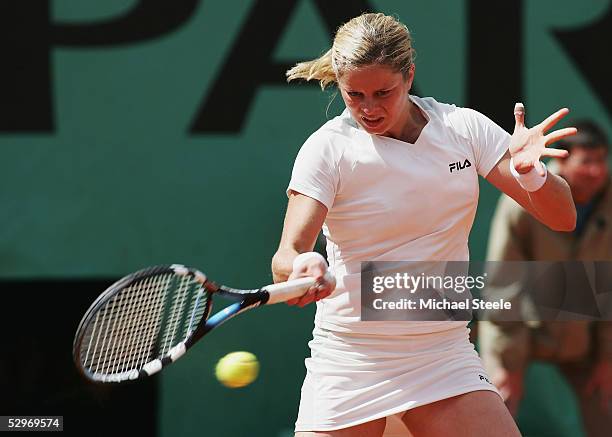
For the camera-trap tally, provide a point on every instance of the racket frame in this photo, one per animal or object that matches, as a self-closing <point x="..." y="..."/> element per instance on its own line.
<point x="243" y="301"/>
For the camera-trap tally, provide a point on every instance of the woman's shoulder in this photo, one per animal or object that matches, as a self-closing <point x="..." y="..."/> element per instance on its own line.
<point x="336" y="132"/>
<point x="341" y="125"/>
<point x="461" y="120"/>
<point x="441" y="110"/>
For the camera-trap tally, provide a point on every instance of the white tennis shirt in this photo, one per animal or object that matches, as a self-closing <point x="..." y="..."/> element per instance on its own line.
<point x="389" y="200"/>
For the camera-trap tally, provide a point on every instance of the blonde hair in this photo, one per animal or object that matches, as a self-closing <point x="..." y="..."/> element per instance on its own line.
<point x="371" y="38"/>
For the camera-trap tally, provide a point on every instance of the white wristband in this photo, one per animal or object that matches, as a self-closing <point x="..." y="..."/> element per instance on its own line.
<point x="530" y="181"/>
<point x="303" y="258"/>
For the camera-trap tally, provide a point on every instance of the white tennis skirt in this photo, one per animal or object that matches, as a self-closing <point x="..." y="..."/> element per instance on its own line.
<point x="355" y="378"/>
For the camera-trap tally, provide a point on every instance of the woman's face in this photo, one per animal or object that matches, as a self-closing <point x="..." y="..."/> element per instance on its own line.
<point x="586" y="172"/>
<point x="377" y="97"/>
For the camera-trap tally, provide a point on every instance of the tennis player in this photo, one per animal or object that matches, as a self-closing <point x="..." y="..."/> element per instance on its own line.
<point x="379" y="180"/>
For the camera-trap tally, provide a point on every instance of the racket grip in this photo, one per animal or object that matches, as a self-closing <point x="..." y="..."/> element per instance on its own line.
<point x="284" y="291"/>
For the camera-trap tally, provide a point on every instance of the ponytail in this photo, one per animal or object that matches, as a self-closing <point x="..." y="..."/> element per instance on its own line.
<point x="369" y="39"/>
<point x="318" y="69"/>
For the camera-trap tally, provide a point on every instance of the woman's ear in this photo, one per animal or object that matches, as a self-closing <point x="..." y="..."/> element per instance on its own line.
<point x="410" y="77"/>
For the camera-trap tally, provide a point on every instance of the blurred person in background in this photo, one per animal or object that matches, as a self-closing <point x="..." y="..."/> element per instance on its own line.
<point x="581" y="350"/>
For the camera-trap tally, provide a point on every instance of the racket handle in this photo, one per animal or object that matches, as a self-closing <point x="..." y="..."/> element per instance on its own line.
<point x="284" y="291"/>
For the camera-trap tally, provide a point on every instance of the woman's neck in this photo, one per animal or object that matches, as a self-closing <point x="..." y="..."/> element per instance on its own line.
<point x="413" y="123"/>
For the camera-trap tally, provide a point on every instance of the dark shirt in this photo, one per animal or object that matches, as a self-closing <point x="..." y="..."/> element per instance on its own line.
<point x="583" y="213"/>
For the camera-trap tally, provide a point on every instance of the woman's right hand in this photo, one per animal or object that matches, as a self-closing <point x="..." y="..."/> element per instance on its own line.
<point x="303" y="221"/>
<point x="316" y="267"/>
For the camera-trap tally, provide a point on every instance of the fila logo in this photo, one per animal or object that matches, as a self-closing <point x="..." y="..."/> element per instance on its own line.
<point x="484" y="378"/>
<point x="459" y="165"/>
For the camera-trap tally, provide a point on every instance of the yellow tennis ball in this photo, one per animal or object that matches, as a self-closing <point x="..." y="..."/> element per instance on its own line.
<point x="237" y="369"/>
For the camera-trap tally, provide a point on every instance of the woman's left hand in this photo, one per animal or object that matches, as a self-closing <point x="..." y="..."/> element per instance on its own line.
<point x="528" y="145"/>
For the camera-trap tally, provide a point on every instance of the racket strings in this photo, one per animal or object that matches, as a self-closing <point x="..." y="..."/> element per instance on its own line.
<point x="146" y="294"/>
<point x="118" y="319"/>
<point x="151" y="329"/>
<point x="184" y="294"/>
<point x="120" y="328"/>
<point x="144" y="303"/>
<point x="147" y="326"/>
<point x="131" y="311"/>
<point x="196" y="310"/>
<point x="118" y="324"/>
<point x="116" y="305"/>
<point x="142" y="322"/>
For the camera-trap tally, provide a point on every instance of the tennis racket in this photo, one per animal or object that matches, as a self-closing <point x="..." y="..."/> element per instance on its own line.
<point x="149" y="319"/>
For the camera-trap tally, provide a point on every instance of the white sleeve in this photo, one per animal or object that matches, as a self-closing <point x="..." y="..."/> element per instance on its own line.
<point x="315" y="171"/>
<point x="489" y="141"/>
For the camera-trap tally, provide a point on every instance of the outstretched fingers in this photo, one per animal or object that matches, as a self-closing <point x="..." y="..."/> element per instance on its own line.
<point x="555" y="153"/>
<point x="559" y="134"/>
<point x="519" y="116"/>
<point x="553" y="119"/>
